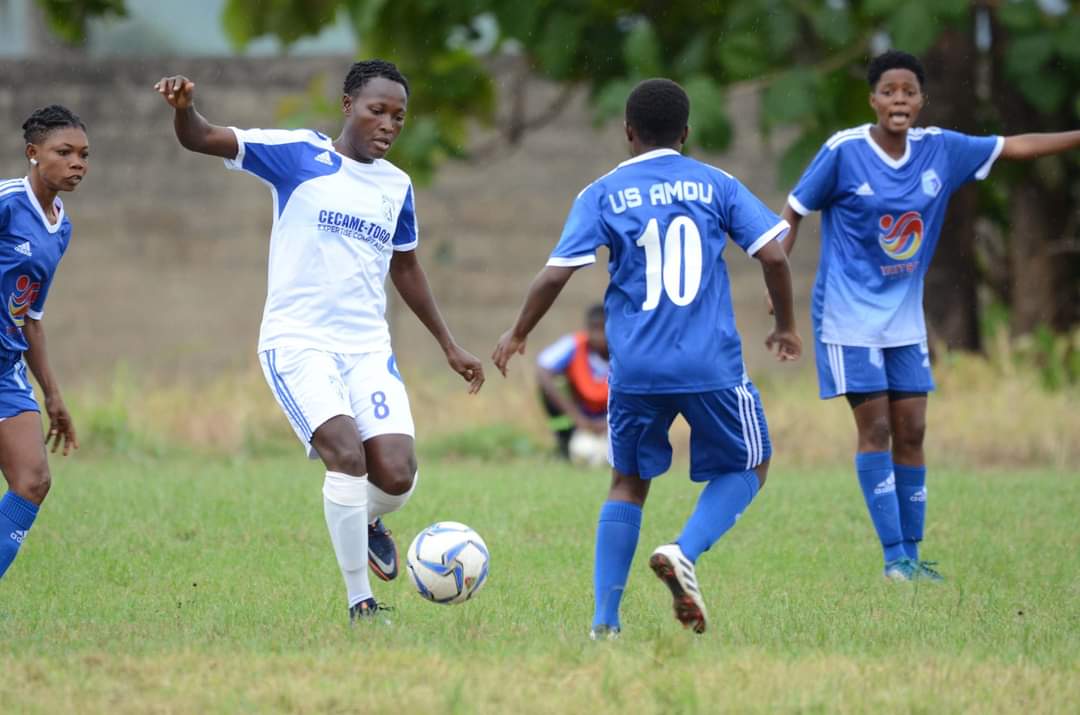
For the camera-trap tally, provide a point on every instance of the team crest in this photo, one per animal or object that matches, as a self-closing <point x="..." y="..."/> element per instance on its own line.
<point x="931" y="183"/>
<point x="388" y="208"/>
<point x="902" y="236"/>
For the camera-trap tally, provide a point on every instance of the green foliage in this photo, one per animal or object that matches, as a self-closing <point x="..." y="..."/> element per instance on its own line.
<point x="67" y="18"/>
<point x="491" y="442"/>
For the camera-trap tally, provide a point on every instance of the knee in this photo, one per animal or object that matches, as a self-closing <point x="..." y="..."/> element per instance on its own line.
<point x="33" y="484"/>
<point x="345" y="458"/>
<point x="628" y="489"/>
<point x="394" y="475"/>
<point x="908" y="436"/>
<point x="875" y="435"/>
<point x="762" y="471"/>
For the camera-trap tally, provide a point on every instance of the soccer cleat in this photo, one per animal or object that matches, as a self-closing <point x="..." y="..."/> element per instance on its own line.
<point x="604" y="632"/>
<point x="382" y="551"/>
<point x="903" y="569"/>
<point x="368" y="611"/>
<point x="927" y="572"/>
<point x="673" y="568"/>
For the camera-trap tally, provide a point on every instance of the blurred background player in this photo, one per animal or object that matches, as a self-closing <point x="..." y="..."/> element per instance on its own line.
<point x="577" y="408"/>
<point x="883" y="189"/>
<point x="675" y="350"/>
<point x="34" y="232"/>
<point x="344" y="218"/>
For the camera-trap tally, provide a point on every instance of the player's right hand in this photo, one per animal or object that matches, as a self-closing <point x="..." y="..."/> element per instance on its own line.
<point x="785" y="344"/>
<point x="178" y="91"/>
<point x="505" y="349"/>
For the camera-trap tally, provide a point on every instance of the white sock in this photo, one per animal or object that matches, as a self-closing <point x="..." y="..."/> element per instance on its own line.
<point x="345" y="502"/>
<point x="379" y="502"/>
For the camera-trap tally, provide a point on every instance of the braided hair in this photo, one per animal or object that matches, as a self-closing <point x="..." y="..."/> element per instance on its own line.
<point x="362" y="72"/>
<point x="48" y="119"/>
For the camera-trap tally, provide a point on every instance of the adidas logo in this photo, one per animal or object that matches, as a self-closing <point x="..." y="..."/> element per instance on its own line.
<point x="886" y="487"/>
<point x="24" y="248"/>
<point x="864" y="190"/>
<point x="324" y="158"/>
<point x="18" y="535"/>
<point x="919" y="495"/>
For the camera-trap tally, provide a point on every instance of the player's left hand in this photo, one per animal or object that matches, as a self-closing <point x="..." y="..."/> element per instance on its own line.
<point x="506" y="348"/>
<point x="61" y="427"/>
<point x="468" y="366"/>
<point x="785" y="344"/>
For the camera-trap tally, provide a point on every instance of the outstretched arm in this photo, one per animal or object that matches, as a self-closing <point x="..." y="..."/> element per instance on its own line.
<point x="784" y="339"/>
<point x="61" y="428"/>
<point x="1023" y="147"/>
<point x="192" y="129"/>
<point x="542" y="293"/>
<point x="412" y="284"/>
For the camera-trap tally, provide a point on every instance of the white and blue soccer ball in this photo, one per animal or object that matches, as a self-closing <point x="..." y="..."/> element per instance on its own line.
<point x="448" y="562"/>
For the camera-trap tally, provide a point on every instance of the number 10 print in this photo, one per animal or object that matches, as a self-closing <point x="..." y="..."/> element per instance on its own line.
<point x="682" y="245"/>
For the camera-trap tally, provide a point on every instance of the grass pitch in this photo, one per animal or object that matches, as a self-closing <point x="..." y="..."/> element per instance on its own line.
<point x="208" y="585"/>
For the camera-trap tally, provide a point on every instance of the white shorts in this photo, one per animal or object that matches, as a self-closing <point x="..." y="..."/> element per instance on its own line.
<point x="312" y="386"/>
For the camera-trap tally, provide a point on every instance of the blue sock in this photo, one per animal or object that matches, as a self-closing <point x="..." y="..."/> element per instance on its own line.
<point x="879" y="490"/>
<point x="616" y="540"/>
<point x="16" y="517"/>
<point x="911" y="493"/>
<point x="721" y="502"/>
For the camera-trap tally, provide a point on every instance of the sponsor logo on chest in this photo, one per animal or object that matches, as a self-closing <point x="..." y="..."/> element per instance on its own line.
<point x="354" y="227"/>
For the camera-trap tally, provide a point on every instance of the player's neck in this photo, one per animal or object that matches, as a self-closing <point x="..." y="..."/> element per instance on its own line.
<point x="345" y="149"/>
<point x="637" y="149"/>
<point x="45" y="196"/>
<point x="892" y="143"/>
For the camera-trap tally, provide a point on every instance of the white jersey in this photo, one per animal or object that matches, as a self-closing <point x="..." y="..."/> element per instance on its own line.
<point x="337" y="223"/>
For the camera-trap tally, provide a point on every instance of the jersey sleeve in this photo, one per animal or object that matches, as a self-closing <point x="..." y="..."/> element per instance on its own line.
<point x="817" y="184"/>
<point x="970" y="157"/>
<point x="748" y="221"/>
<point x="36" y="310"/>
<point x="582" y="233"/>
<point x="557" y="356"/>
<point x="273" y="155"/>
<point x="407" y="233"/>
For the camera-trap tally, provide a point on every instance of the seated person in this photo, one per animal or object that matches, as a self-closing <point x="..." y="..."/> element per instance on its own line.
<point x="582" y="359"/>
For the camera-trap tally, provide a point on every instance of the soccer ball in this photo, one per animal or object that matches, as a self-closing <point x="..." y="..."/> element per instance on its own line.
<point x="588" y="449"/>
<point x="448" y="562"/>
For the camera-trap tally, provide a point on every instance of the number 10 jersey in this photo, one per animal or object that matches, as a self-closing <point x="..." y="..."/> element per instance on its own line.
<point x="665" y="219"/>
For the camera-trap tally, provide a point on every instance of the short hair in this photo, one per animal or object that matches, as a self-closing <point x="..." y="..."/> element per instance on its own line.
<point x="658" y="111"/>
<point x="47" y="120"/>
<point x="595" y="313"/>
<point x="362" y="72"/>
<point x="894" y="60"/>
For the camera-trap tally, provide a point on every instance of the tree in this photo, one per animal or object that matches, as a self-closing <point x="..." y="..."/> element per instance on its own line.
<point x="805" y="58"/>
<point x="67" y="19"/>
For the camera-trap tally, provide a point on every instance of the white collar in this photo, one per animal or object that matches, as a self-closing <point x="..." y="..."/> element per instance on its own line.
<point x="889" y="161"/>
<point x="654" y="154"/>
<point x="59" y="205"/>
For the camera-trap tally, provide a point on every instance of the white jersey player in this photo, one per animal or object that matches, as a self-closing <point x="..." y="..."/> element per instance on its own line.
<point x="344" y="219"/>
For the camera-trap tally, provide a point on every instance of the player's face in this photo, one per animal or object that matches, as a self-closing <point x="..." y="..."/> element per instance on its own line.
<point x="62" y="158"/>
<point x="374" y="117"/>
<point x="897" y="100"/>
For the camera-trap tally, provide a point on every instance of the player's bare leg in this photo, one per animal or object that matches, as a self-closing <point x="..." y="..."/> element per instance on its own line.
<point x="26" y="469"/>
<point x="392" y="477"/>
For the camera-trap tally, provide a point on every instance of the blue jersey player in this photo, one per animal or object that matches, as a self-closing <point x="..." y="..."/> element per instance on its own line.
<point x="34" y="233"/>
<point x="665" y="220"/>
<point x="883" y="189"/>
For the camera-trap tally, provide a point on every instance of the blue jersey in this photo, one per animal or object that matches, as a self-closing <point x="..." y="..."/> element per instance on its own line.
<point x="30" y="250"/>
<point x="881" y="220"/>
<point x="664" y="219"/>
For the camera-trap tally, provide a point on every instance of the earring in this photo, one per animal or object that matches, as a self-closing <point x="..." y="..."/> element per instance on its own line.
<point x="33" y="161"/>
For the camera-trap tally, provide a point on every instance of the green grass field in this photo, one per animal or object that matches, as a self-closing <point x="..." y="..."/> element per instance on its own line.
<point x="196" y="584"/>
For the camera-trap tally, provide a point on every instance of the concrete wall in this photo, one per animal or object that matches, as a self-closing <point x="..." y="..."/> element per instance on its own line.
<point x="166" y="271"/>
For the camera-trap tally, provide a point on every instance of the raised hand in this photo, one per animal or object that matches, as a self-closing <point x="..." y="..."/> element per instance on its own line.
<point x="178" y="91"/>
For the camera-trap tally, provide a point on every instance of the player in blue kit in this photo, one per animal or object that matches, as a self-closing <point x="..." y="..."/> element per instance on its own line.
<point x="883" y="189"/>
<point x="34" y="233"/>
<point x="664" y="219"/>
<point x="344" y="219"/>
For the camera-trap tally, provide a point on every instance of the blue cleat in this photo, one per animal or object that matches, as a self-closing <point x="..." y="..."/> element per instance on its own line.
<point x="927" y="572"/>
<point x="904" y="569"/>
<point x="382" y="551"/>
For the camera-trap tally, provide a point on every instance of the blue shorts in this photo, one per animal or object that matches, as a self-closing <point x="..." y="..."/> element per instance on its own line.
<point x="16" y="392"/>
<point x="728" y="432"/>
<point x="844" y="369"/>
